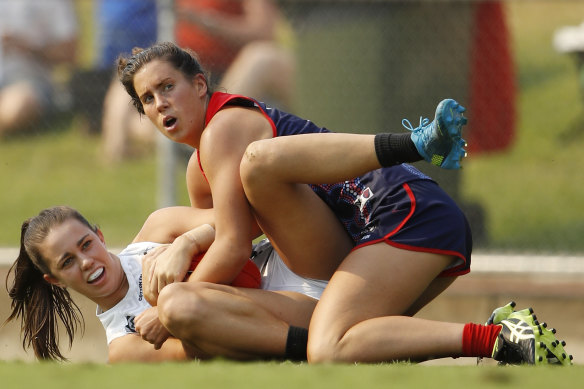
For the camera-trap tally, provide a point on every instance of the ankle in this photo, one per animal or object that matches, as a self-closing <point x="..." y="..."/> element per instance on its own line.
<point x="394" y="149"/>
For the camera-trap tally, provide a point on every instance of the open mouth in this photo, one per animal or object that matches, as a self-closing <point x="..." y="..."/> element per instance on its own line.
<point x="169" y="122"/>
<point x="96" y="275"/>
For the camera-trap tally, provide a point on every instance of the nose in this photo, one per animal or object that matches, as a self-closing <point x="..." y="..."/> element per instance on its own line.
<point x="86" y="262"/>
<point x="161" y="102"/>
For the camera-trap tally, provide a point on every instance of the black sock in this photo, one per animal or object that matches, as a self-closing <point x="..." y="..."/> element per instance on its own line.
<point x="296" y="343"/>
<point x="393" y="149"/>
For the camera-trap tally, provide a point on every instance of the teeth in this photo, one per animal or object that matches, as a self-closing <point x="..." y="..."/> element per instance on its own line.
<point x="95" y="274"/>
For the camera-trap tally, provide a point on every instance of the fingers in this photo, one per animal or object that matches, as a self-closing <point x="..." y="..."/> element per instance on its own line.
<point x="150" y="329"/>
<point x="165" y="279"/>
<point x="149" y="261"/>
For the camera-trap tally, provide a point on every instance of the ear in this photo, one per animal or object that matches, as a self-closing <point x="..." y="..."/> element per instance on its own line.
<point x="100" y="235"/>
<point x="200" y="83"/>
<point x="53" y="281"/>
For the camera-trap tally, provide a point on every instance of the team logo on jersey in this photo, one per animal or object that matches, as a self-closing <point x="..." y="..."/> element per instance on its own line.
<point x="363" y="197"/>
<point x="130" y="326"/>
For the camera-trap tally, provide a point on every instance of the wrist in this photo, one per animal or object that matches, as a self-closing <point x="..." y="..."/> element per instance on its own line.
<point x="201" y="237"/>
<point x="189" y="244"/>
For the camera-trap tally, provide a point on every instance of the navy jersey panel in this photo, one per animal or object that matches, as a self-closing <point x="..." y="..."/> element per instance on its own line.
<point x="288" y="124"/>
<point x="399" y="205"/>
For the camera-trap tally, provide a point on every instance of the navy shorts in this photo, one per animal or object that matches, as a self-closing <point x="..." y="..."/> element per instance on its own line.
<point x="415" y="215"/>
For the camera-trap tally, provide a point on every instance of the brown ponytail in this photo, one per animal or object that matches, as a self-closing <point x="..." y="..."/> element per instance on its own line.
<point x="39" y="304"/>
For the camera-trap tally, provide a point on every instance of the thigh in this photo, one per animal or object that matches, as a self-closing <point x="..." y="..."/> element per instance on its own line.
<point x="302" y="228"/>
<point x="375" y="281"/>
<point x="291" y="307"/>
<point x="222" y="300"/>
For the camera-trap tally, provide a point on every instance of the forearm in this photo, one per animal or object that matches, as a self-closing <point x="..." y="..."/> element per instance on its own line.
<point x="132" y="348"/>
<point x="61" y="53"/>
<point x="166" y="224"/>
<point x="200" y="238"/>
<point x="255" y="24"/>
<point x="161" y="268"/>
<point x="222" y="262"/>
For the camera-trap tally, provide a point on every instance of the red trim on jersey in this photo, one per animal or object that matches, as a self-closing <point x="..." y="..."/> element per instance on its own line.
<point x="201" y="166"/>
<point x="217" y="101"/>
<point x="455" y="271"/>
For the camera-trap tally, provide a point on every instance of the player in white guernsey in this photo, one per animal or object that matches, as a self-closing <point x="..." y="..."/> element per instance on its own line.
<point x="276" y="276"/>
<point x="60" y="249"/>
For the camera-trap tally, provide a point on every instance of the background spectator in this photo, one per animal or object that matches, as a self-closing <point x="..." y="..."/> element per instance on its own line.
<point x="36" y="36"/>
<point x="121" y="26"/>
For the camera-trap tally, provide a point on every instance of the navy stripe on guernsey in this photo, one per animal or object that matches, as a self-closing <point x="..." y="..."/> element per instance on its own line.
<point x="399" y="205"/>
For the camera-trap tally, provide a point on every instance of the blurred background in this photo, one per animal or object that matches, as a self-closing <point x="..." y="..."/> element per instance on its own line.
<point x="348" y="65"/>
<point x="352" y="66"/>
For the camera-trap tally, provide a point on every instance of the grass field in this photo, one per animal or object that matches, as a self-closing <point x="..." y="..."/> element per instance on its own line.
<point x="223" y="374"/>
<point x="64" y="167"/>
<point x="533" y="196"/>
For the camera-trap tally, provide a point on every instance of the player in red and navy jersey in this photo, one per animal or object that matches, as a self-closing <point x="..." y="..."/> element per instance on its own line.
<point x="338" y="206"/>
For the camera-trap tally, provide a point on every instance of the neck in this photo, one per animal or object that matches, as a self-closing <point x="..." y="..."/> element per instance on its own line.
<point x="118" y="293"/>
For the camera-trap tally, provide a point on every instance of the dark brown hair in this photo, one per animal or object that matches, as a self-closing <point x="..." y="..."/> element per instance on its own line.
<point x="39" y="304"/>
<point x="184" y="60"/>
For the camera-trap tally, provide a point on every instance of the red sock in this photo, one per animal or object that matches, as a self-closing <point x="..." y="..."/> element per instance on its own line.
<point x="479" y="340"/>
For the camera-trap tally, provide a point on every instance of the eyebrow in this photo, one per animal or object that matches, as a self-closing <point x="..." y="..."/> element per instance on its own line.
<point x="156" y="86"/>
<point x="79" y="242"/>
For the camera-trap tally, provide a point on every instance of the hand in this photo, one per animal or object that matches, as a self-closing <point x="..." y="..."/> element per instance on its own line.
<point x="150" y="328"/>
<point x="172" y="264"/>
<point x="150" y="288"/>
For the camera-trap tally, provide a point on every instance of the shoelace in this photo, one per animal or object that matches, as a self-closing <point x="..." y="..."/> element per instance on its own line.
<point x="423" y="122"/>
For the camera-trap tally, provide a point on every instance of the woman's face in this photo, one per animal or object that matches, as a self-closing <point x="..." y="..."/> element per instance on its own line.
<point x="175" y="104"/>
<point x="78" y="258"/>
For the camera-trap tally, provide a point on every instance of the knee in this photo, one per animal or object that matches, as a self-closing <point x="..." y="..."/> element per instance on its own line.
<point x="319" y="351"/>
<point x="183" y="305"/>
<point x="332" y="348"/>
<point x="257" y="165"/>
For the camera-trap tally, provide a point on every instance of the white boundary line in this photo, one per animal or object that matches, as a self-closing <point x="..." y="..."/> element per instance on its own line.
<point x="481" y="262"/>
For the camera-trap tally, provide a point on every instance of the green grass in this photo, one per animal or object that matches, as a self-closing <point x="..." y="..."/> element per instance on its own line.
<point x="64" y="167"/>
<point x="222" y="374"/>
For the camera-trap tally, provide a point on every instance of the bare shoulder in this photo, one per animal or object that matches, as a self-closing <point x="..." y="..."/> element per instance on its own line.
<point x="239" y="123"/>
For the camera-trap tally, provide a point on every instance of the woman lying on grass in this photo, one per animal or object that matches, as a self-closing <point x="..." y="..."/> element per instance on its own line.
<point x="60" y="249"/>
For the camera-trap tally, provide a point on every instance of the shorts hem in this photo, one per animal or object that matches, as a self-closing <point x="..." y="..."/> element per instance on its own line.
<point x="456" y="271"/>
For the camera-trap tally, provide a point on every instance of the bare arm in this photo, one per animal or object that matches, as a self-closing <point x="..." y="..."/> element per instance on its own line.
<point x="226" y="139"/>
<point x="53" y="53"/>
<point x="166" y="224"/>
<point x="171" y="264"/>
<point x="197" y="185"/>
<point x="132" y="348"/>
<point x="257" y="22"/>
